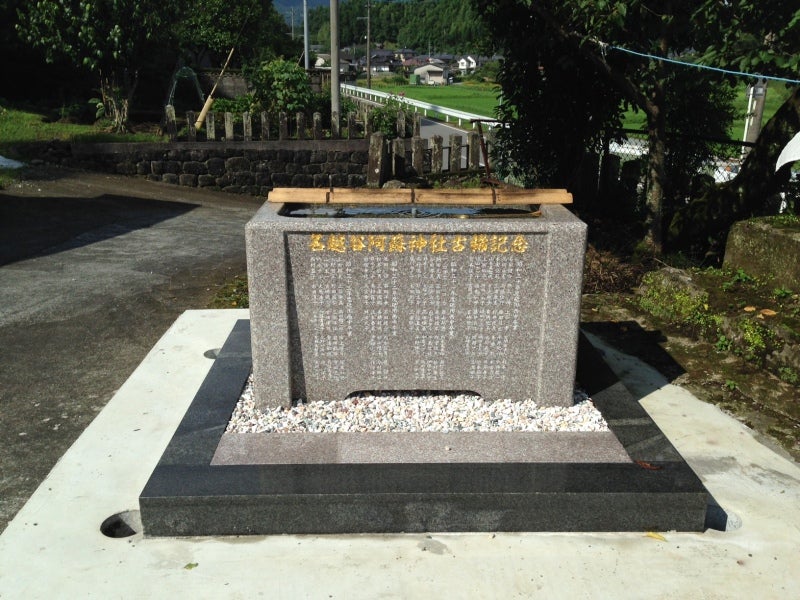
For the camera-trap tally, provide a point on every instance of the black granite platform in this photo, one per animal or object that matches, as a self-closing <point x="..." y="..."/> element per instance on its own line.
<point x="188" y="496"/>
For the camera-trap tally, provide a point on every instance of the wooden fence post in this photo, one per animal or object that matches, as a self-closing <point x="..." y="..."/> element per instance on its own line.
<point x="437" y="154"/>
<point x="264" y="126"/>
<point x="172" y="128"/>
<point x="317" y="127"/>
<point x="229" y="137"/>
<point x="474" y="151"/>
<point x="418" y="155"/>
<point x="455" y="153"/>
<point x="367" y="125"/>
<point x="377" y="160"/>
<point x="192" y="133"/>
<point x="398" y="158"/>
<point x="247" y="126"/>
<point x="401" y="124"/>
<point x="283" y="126"/>
<point x="211" y="126"/>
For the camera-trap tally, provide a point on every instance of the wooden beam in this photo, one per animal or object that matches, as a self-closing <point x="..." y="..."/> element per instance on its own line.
<point x="368" y="196"/>
<point x="470" y="196"/>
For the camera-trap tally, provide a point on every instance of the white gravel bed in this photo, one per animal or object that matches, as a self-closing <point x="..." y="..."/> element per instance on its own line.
<point x="418" y="412"/>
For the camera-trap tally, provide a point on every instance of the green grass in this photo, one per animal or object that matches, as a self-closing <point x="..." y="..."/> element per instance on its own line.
<point x="483" y="98"/>
<point x="776" y="95"/>
<point x="7" y="177"/>
<point x="20" y="129"/>
<point x="476" y="98"/>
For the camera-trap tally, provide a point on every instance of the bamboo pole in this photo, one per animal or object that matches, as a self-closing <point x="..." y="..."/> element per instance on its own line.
<point x="207" y="106"/>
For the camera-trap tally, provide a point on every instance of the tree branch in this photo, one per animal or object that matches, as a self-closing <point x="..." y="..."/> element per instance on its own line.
<point x="626" y="87"/>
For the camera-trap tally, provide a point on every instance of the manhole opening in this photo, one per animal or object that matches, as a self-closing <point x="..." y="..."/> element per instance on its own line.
<point x="122" y="525"/>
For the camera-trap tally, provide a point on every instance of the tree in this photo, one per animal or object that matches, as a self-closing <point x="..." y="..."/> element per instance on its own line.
<point x="253" y="27"/>
<point x="631" y="44"/>
<point x="442" y="25"/>
<point x="751" y="37"/>
<point x="585" y="77"/>
<point x="552" y="115"/>
<point x="111" y="38"/>
<point x="281" y="86"/>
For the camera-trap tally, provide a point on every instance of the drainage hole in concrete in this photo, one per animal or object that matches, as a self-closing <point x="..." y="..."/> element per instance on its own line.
<point x="122" y="525"/>
<point x="212" y="354"/>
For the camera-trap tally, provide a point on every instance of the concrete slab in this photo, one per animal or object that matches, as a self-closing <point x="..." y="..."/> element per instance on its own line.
<point x="649" y="486"/>
<point x="418" y="447"/>
<point x="54" y="548"/>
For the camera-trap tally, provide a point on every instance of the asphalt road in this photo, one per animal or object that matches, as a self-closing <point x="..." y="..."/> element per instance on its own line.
<point x="93" y="270"/>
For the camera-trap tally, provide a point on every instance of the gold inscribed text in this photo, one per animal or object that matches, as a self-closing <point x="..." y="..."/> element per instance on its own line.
<point x="420" y="243"/>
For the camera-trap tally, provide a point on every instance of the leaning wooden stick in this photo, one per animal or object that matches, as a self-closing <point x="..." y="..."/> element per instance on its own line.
<point x="207" y="106"/>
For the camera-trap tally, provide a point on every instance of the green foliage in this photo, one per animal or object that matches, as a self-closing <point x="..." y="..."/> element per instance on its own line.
<point x="737" y="279"/>
<point x="234" y="294"/>
<point x="749" y="36"/>
<point x="444" y="25"/>
<point x="254" y="28"/>
<point x="281" y="86"/>
<point x="556" y="101"/>
<point x="99" y="107"/>
<point x="7" y="176"/>
<point x="756" y="340"/>
<point x="677" y="305"/>
<point x="723" y="344"/>
<point x="782" y="293"/>
<point x="238" y="105"/>
<point x="23" y="131"/>
<point x="384" y="118"/>
<point x="477" y="98"/>
<point x="111" y="38"/>
<point x="789" y="375"/>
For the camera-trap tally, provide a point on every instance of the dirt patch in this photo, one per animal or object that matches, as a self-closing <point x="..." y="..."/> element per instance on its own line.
<point x="747" y="392"/>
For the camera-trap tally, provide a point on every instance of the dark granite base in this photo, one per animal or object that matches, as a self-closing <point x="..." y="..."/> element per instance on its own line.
<point x="187" y="495"/>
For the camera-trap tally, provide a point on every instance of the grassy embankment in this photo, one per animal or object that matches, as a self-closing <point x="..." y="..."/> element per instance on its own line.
<point x="482" y="98"/>
<point x="23" y="130"/>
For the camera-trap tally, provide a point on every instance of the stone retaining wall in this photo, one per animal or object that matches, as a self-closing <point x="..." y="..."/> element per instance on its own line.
<point x="239" y="167"/>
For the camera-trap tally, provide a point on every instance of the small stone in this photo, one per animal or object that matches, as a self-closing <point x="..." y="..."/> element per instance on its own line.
<point x="415" y="412"/>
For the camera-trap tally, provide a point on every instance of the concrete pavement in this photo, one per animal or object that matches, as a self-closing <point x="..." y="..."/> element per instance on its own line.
<point x="93" y="269"/>
<point x="54" y="547"/>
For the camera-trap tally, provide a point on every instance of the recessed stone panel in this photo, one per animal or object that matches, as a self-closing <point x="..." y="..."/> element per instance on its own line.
<point x="488" y="305"/>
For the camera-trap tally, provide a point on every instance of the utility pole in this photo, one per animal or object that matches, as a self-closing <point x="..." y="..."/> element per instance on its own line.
<point x="756" y="97"/>
<point x="305" y="33"/>
<point x="335" y="69"/>
<point x="369" y="52"/>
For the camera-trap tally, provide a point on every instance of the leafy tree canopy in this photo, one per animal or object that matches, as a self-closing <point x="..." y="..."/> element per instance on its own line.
<point x="281" y="86"/>
<point x="253" y="27"/>
<point x="441" y="25"/>
<point x="111" y="38"/>
<point x="592" y="57"/>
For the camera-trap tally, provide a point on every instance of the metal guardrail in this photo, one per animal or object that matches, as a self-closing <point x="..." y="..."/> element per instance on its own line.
<point x="378" y="97"/>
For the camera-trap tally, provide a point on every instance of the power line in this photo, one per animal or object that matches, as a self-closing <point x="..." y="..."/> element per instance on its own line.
<point x="603" y="45"/>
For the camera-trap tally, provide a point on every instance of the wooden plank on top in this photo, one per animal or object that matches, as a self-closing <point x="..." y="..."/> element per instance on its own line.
<point x="534" y="196"/>
<point x="470" y="196"/>
<point x="370" y="196"/>
<point x="467" y="197"/>
<point x="308" y="195"/>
